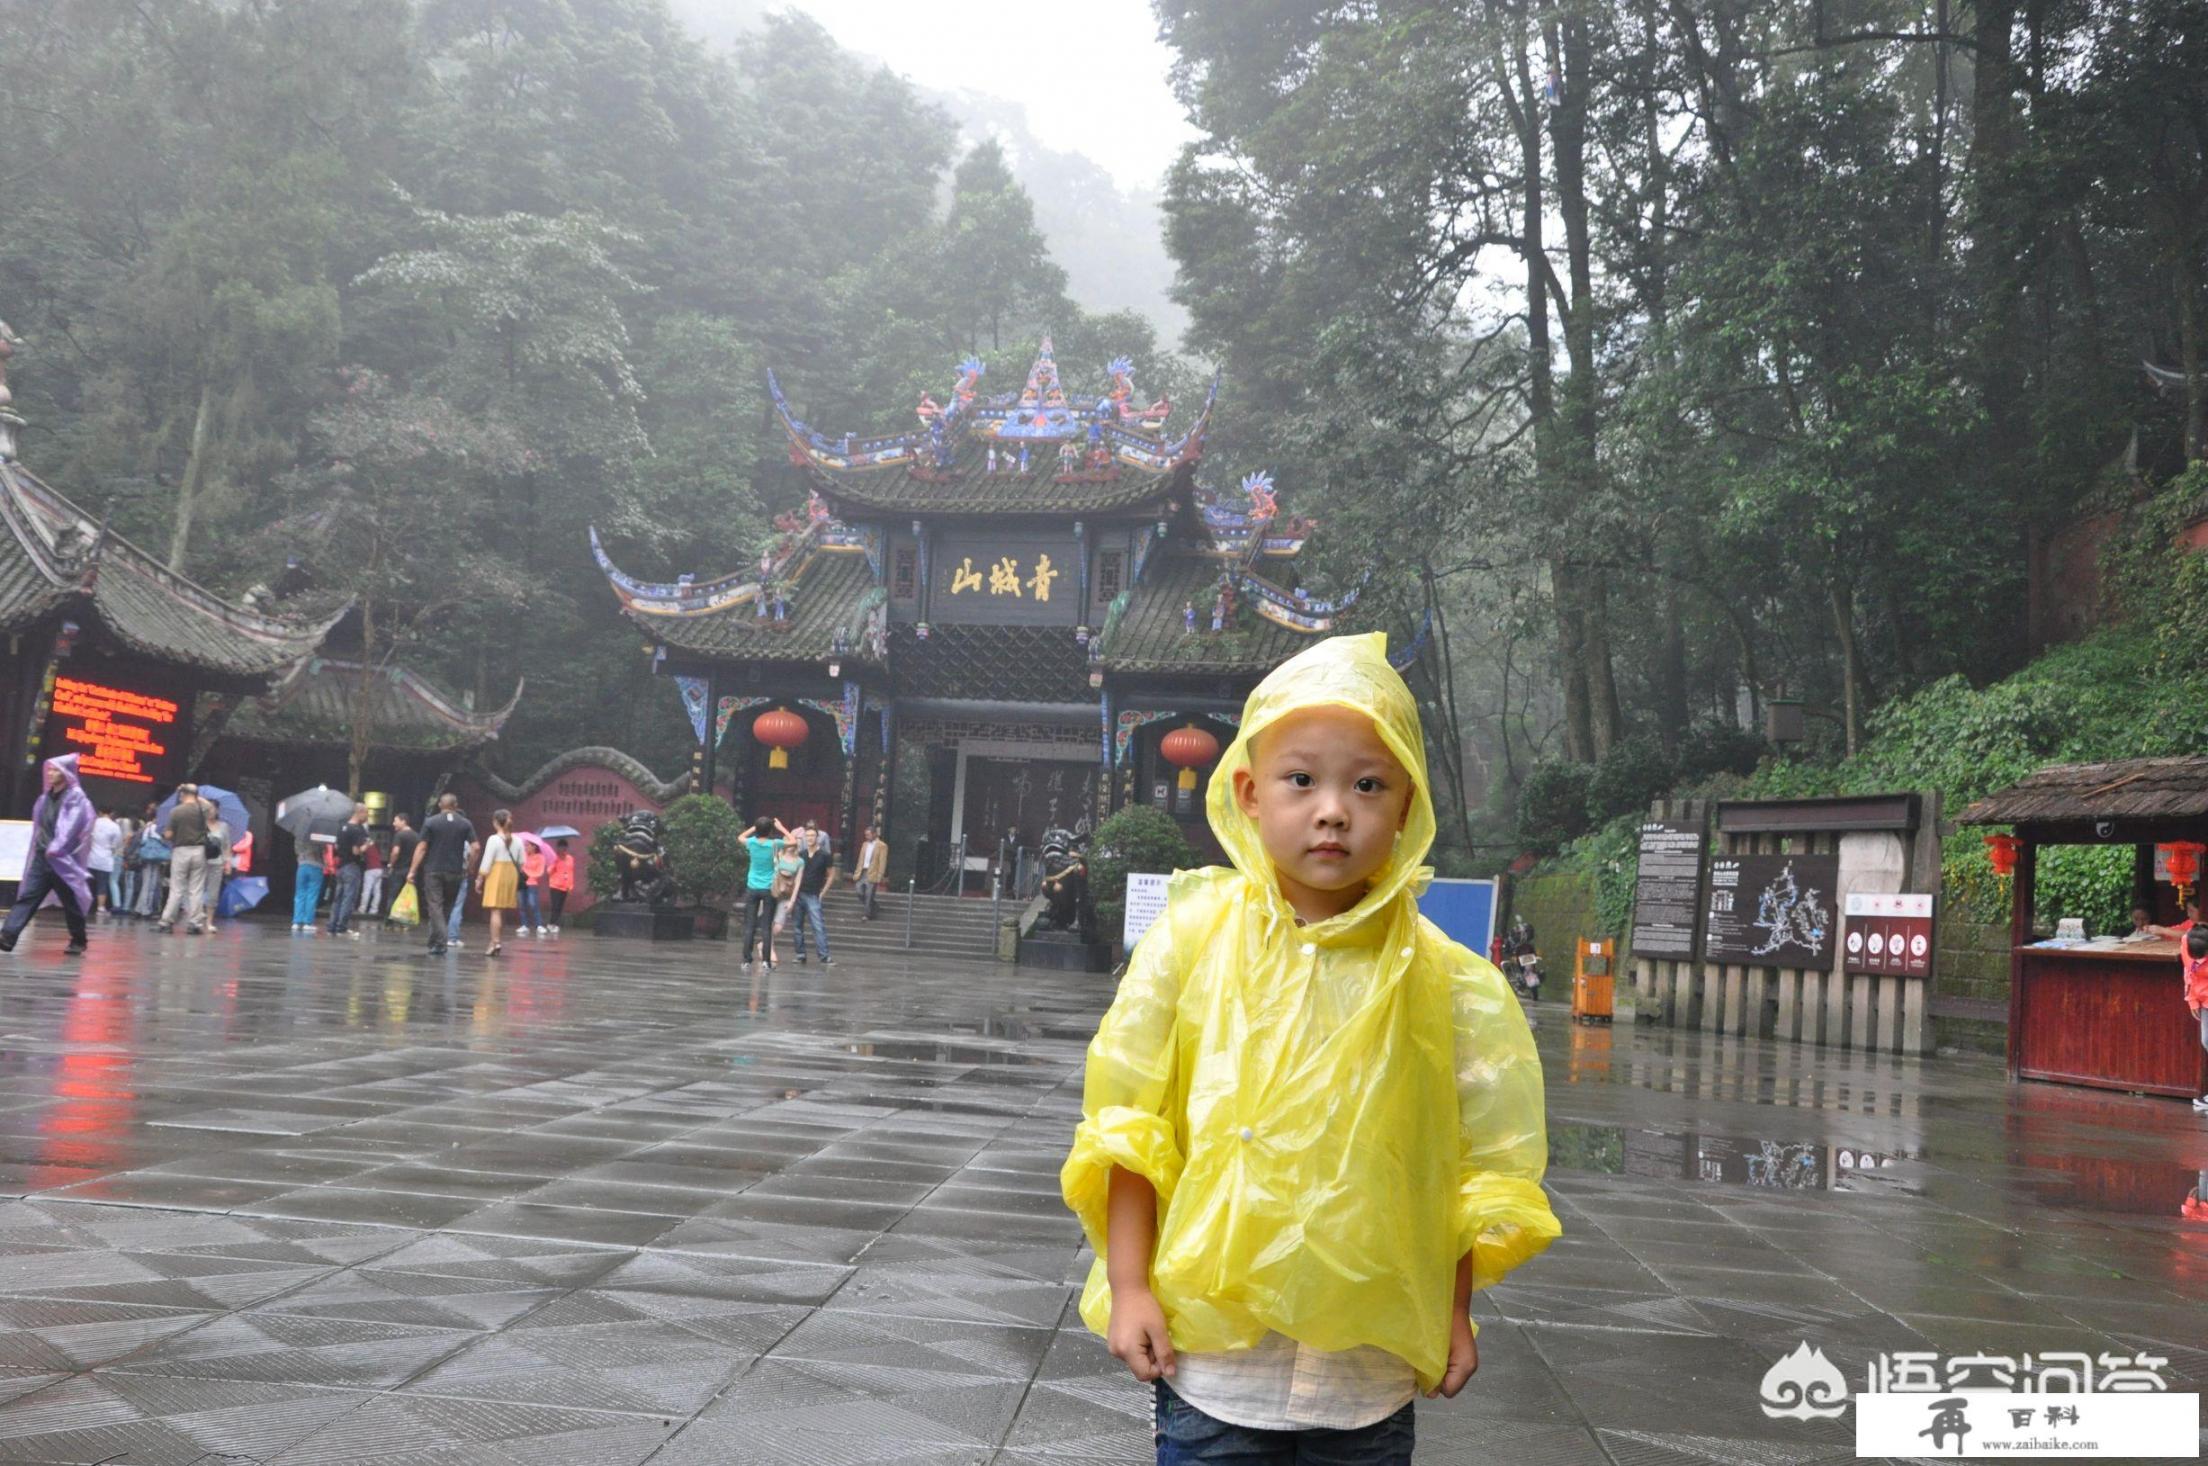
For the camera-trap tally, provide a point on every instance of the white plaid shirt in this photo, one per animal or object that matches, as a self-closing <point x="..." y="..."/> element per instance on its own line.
<point x="1279" y="1384"/>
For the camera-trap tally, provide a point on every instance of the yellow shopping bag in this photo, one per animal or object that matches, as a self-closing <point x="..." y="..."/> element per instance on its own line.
<point x="407" y="910"/>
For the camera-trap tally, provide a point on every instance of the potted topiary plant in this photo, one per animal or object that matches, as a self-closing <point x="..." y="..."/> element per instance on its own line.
<point x="706" y="857"/>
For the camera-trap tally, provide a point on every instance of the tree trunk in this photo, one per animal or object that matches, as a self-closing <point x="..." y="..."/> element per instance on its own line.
<point x="1843" y="625"/>
<point x="1671" y="681"/>
<point x="187" y="492"/>
<point x="2189" y="354"/>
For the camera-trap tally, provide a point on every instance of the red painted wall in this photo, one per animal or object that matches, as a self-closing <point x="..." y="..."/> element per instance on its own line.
<point x="585" y="797"/>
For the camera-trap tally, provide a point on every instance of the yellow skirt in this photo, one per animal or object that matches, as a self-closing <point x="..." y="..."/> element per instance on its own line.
<point x="500" y="884"/>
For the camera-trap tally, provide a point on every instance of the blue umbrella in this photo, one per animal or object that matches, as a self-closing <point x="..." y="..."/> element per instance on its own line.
<point x="559" y="832"/>
<point x="242" y="893"/>
<point x="227" y="805"/>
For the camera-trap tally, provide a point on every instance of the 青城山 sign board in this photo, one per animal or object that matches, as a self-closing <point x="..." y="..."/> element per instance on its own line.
<point x="126" y="734"/>
<point x="1005" y="579"/>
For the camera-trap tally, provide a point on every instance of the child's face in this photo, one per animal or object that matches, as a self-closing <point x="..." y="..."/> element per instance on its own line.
<point x="1327" y="798"/>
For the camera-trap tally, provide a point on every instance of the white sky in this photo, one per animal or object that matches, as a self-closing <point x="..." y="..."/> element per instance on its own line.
<point x="1092" y="77"/>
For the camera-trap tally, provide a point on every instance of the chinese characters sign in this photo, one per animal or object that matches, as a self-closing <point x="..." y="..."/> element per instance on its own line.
<point x="116" y="733"/>
<point x="1005" y="579"/>
<point x="1667" y="890"/>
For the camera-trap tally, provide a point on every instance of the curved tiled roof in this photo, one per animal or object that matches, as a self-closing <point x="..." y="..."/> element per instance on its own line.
<point x="1149" y="633"/>
<point x="967" y="487"/>
<point x="833" y="592"/>
<point x="406" y="712"/>
<point x="54" y="556"/>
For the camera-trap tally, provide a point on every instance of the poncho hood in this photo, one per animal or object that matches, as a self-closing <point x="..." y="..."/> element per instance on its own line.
<point x="1343" y="671"/>
<point x="65" y="765"/>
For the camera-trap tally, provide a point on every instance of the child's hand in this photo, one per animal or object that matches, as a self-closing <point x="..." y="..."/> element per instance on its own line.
<point x="1138" y="1336"/>
<point x="1464" y="1359"/>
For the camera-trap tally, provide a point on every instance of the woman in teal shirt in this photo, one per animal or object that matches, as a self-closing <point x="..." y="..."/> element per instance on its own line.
<point x="761" y="842"/>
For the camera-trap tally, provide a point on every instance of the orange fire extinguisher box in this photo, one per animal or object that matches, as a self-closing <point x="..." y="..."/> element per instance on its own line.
<point x="1593" y="982"/>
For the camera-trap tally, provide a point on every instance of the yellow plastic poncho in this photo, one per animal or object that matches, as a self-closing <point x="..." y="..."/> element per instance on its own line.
<point x="1332" y="1114"/>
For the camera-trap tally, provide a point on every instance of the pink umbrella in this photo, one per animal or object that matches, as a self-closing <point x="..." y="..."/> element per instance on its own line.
<point x="542" y="848"/>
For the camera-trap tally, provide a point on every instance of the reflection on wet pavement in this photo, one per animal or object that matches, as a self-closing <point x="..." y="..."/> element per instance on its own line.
<point x="295" y="1200"/>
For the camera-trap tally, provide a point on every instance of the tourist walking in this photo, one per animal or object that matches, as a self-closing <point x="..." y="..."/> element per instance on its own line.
<point x="107" y="865"/>
<point x="186" y="832"/>
<point x="57" y="864"/>
<point x="814" y="881"/>
<point x="404" y="839"/>
<point x="439" y="868"/>
<point x="152" y="853"/>
<point x="220" y="861"/>
<point x="371" y="876"/>
<point x="498" y="879"/>
<point x="789" y="864"/>
<point x="872" y="867"/>
<point x="352" y="838"/>
<point x="561" y="881"/>
<point x="761" y="843"/>
<point x="529" y="915"/>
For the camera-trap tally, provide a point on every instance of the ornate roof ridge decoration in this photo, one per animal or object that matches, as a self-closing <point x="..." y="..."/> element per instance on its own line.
<point x="650" y="785"/>
<point x="139" y="600"/>
<point x="1243" y="534"/>
<point x="1118" y="434"/>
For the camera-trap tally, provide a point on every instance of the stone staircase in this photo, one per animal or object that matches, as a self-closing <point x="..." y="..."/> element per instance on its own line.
<point x="942" y="926"/>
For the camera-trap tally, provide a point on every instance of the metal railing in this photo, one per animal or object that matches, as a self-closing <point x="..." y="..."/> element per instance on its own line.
<point x="910" y="883"/>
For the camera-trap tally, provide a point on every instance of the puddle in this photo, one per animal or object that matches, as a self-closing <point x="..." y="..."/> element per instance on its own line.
<point x="939" y="1053"/>
<point x="1723" y="1160"/>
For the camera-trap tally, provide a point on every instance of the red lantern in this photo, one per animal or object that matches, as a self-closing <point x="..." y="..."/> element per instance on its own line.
<point x="780" y="730"/>
<point x="2001" y="850"/>
<point x="2183" y="859"/>
<point x="1189" y="748"/>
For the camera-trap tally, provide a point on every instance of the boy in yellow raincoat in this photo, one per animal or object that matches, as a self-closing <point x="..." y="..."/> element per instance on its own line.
<point x="1312" y="1124"/>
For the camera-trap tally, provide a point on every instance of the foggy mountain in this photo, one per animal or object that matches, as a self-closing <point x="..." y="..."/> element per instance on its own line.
<point x="1109" y="240"/>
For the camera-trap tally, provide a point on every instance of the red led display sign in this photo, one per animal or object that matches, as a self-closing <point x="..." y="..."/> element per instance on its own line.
<point x="115" y="733"/>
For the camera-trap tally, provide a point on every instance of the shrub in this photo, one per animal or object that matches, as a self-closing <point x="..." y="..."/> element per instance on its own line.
<point x="1633" y="773"/>
<point x="604" y="875"/>
<point x="1138" y="838"/>
<point x="705" y="850"/>
<point x="1552" y="807"/>
<point x="1709" y="749"/>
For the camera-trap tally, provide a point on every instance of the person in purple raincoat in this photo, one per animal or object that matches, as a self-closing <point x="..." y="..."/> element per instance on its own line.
<point x="61" y="850"/>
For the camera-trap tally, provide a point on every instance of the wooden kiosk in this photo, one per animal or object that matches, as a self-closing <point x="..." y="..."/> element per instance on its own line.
<point x="2107" y="1014"/>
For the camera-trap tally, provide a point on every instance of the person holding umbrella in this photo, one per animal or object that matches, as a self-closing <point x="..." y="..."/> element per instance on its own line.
<point x="562" y="881"/>
<point x="61" y="849"/>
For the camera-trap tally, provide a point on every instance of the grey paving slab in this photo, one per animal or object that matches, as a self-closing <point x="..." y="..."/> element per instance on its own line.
<point x="315" y="1202"/>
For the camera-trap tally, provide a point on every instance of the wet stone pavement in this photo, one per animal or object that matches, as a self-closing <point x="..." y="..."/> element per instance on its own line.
<point x="273" y="1199"/>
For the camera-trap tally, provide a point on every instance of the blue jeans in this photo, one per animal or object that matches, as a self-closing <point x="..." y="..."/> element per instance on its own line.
<point x="305" y="894"/>
<point x="459" y="906"/>
<point x="1186" y="1436"/>
<point x="348" y="896"/>
<point x="530" y="914"/>
<point x="808" y="915"/>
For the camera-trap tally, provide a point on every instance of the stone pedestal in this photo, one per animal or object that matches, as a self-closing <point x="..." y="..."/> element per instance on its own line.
<point x="1064" y="951"/>
<point x="638" y="922"/>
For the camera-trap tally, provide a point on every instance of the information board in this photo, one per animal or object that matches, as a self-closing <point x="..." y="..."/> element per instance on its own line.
<point x="1463" y="909"/>
<point x="1667" y="889"/>
<point x="1772" y="910"/>
<point x="116" y="733"/>
<point x="1145" y="904"/>
<point x="15" y="849"/>
<point x="1889" y="934"/>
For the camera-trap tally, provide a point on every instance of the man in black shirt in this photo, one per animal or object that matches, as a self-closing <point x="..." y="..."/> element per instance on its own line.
<point x="814" y="881"/>
<point x="440" y="865"/>
<point x="351" y="841"/>
<point x="404" y="841"/>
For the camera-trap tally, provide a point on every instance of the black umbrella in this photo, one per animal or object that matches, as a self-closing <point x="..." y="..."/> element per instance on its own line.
<point x="320" y="810"/>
